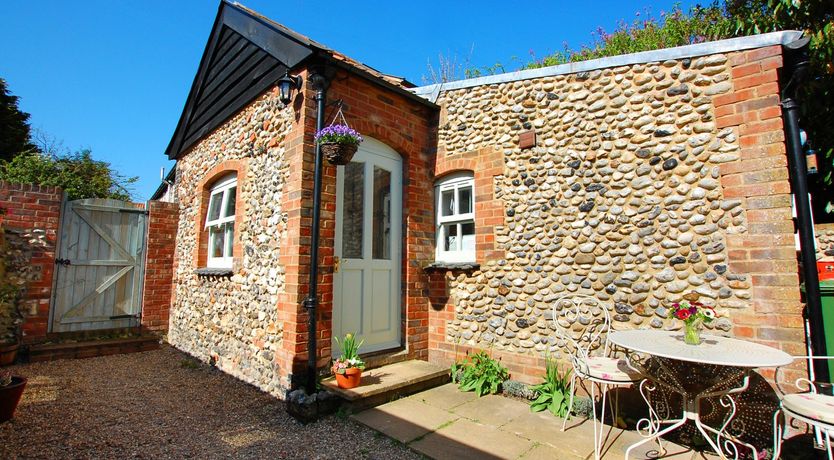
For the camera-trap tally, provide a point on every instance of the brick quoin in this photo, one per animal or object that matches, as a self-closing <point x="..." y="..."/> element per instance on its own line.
<point x="29" y="208"/>
<point x="159" y="264"/>
<point x="766" y="253"/>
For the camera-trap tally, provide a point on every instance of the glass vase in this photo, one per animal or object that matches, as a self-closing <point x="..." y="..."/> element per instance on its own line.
<point x="692" y="332"/>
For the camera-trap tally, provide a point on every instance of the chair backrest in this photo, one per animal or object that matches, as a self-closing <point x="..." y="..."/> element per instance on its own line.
<point x="583" y="323"/>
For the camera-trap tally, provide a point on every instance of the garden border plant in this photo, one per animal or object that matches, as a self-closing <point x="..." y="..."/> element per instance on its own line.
<point x="554" y="393"/>
<point x="479" y="373"/>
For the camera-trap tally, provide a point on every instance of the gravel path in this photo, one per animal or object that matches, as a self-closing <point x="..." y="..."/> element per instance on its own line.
<point x="159" y="404"/>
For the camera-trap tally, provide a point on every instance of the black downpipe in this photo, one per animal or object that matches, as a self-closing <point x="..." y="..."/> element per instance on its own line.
<point x="320" y="84"/>
<point x="797" y="60"/>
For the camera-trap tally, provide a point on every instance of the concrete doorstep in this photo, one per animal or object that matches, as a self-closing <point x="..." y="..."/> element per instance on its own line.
<point x="445" y="423"/>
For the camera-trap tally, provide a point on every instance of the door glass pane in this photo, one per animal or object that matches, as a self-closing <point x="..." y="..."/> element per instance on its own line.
<point x="231" y="194"/>
<point x="450" y="237"/>
<point x="352" y="215"/>
<point x="465" y="200"/>
<point x="447" y="202"/>
<point x="214" y="206"/>
<point x="467" y="240"/>
<point x="382" y="214"/>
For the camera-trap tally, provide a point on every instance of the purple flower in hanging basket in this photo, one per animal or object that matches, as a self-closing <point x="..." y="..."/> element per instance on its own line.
<point x="340" y="134"/>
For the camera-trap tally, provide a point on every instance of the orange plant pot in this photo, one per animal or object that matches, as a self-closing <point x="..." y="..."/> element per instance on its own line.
<point x="350" y="379"/>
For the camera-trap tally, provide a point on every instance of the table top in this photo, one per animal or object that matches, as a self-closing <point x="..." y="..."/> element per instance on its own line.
<point x="722" y="351"/>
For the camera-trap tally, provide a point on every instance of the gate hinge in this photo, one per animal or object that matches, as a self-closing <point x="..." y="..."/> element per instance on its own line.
<point x="64" y="262"/>
<point x="135" y="315"/>
<point x="135" y="211"/>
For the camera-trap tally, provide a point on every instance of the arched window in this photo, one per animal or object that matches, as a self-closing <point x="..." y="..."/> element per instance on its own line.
<point x="456" y="218"/>
<point x="220" y="222"/>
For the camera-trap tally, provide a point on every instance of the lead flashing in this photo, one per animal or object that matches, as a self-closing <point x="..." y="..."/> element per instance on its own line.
<point x="432" y="92"/>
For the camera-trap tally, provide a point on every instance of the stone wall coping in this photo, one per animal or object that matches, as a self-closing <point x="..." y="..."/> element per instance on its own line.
<point x="432" y="92"/>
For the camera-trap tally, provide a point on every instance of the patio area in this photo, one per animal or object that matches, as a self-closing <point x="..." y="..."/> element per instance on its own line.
<point x="445" y="423"/>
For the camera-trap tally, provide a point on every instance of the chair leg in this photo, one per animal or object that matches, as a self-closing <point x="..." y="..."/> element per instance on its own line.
<point x="597" y="429"/>
<point x="778" y="434"/>
<point x="828" y="444"/>
<point x="570" y="403"/>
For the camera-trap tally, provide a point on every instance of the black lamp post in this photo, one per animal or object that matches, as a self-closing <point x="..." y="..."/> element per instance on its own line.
<point x="285" y="86"/>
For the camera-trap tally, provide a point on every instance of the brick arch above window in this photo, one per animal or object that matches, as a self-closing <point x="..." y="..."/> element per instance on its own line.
<point x="217" y="173"/>
<point x="484" y="164"/>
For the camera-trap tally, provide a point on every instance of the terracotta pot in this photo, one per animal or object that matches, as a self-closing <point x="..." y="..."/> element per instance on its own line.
<point x="9" y="397"/>
<point x="338" y="154"/>
<point x="350" y="379"/>
<point x="8" y="353"/>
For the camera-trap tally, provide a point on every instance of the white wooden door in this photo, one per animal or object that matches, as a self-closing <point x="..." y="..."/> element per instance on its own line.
<point x="99" y="268"/>
<point x="366" y="298"/>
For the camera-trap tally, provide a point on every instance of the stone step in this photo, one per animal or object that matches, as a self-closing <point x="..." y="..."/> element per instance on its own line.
<point x="387" y="383"/>
<point x="92" y="348"/>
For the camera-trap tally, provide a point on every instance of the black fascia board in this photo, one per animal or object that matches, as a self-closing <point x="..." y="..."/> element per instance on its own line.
<point x="174" y="146"/>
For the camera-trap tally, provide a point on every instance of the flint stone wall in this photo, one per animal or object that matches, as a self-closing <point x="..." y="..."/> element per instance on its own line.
<point x="620" y="199"/>
<point x="825" y="241"/>
<point x="233" y="321"/>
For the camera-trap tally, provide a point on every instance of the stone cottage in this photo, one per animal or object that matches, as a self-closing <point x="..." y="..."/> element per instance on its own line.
<point x="473" y="205"/>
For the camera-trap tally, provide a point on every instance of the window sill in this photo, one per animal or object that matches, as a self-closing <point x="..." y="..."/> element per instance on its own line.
<point x="213" y="271"/>
<point x="454" y="266"/>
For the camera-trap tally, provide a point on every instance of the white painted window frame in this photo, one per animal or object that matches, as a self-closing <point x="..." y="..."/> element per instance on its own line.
<point x="222" y="188"/>
<point x="454" y="182"/>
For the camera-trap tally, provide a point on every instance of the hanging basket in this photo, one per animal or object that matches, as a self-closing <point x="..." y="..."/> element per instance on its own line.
<point x="338" y="141"/>
<point x="338" y="154"/>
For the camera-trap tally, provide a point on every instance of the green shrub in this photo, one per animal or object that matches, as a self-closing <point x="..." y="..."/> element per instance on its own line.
<point x="479" y="373"/>
<point x="554" y="392"/>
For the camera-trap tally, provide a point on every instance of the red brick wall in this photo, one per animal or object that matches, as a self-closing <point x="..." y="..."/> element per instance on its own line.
<point x="35" y="208"/>
<point x="407" y="127"/>
<point x="159" y="264"/>
<point x="767" y="252"/>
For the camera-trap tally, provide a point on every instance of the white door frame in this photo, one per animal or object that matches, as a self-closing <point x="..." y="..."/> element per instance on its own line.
<point x="371" y="152"/>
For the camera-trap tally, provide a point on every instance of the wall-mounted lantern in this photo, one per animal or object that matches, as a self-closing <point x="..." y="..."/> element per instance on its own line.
<point x="286" y="85"/>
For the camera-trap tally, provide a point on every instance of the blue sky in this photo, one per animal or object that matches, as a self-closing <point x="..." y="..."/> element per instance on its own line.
<point x="113" y="75"/>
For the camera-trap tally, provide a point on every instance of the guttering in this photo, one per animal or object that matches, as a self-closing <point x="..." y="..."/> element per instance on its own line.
<point x="796" y="70"/>
<point x="430" y="92"/>
<point x="320" y="84"/>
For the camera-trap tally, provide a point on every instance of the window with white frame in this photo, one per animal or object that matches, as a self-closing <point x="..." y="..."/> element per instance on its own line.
<point x="456" y="218"/>
<point x="220" y="222"/>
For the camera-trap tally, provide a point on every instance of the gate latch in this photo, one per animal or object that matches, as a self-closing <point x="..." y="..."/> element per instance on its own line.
<point x="64" y="262"/>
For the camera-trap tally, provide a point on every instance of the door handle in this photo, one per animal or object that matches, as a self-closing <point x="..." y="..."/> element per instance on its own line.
<point x="337" y="264"/>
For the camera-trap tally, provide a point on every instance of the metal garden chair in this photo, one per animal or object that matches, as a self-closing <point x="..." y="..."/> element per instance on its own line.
<point x="582" y="324"/>
<point x="811" y="407"/>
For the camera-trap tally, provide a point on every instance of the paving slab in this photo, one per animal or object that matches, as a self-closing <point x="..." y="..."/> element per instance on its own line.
<point x="492" y="410"/>
<point x="465" y="439"/>
<point x="445" y="397"/>
<point x="548" y="452"/>
<point x="405" y="419"/>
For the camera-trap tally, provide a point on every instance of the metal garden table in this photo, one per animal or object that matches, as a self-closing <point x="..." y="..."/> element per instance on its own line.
<point x="723" y="369"/>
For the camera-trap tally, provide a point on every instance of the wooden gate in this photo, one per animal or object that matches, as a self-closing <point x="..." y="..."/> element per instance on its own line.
<point x="100" y="266"/>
